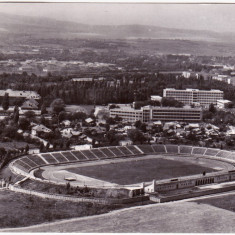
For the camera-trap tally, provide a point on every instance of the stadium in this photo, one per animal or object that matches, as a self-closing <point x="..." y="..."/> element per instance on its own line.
<point x="138" y="168"/>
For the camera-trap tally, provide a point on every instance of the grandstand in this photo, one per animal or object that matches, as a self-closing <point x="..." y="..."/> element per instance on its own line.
<point x="98" y="154"/>
<point x="185" y="149"/>
<point x="89" y="155"/>
<point x="146" y="148"/>
<point x="59" y="157"/>
<point x="231" y="156"/>
<point x="134" y="149"/>
<point x="199" y="150"/>
<point x="158" y="148"/>
<point x="79" y="155"/>
<point x="211" y="152"/>
<point x="107" y="152"/>
<point x="69" y="156"/>
<point x="223" y="154"/>
<point x="172" y="148"/>
<point x="48" y="157"/>
<point x="117" y="152"/>
<point x="30" y="162"/>
<point x="37" y="159"/>
<point x="125" y="150"/>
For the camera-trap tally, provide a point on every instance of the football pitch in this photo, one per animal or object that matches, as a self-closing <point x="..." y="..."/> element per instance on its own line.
<point x="137" y="171"/>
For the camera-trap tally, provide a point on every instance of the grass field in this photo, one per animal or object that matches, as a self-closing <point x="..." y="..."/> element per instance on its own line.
<point x="226" y="202"/>
<point x="19" y="210"/>
<point x="140" y="171"/>
<point x="15" y="144"/>
<point x="176" y="217"/>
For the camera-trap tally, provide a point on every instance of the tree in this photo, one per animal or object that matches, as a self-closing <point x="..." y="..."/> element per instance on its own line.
<point x="54" y="145"/>
<point x="48" y="146"/>
<point x="5" y="102"/>
<point x="171" y="102"/>
<point x="41" y="147"/>
<point x="110" y="121"/>
<point x="67" y="144"/>
<point x="136" y="136"/>
<point x="138" y="124"/>
<point x="62" y="116"/>
<point x="212" y="108"/>
<point x="10" y="132"/>
<point x="16" y="114"/>
<point x="43" y="120"/>
<point x="27" y="148"/>
<point x="57" y="106"/>
<point x="29" y="114"/>
<point x="24" y="123"/>
<point x="43" y="109"/>
<point x="111" y="136"/>
<point x="79" y="116"/>
<point x="61" y="144"/>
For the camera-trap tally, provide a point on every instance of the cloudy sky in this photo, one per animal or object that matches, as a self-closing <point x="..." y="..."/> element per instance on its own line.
<point x="216" y="17"/>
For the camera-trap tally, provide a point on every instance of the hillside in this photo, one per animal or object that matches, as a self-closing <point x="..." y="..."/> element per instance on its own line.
<point x="13" y="24"/>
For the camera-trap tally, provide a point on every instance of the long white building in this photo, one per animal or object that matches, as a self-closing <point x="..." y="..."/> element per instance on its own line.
<point x="190" y="96"/>
<point x="154" y="113"/>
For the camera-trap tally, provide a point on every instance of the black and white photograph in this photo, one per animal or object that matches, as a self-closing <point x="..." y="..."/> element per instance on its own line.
<point x="117" y="117"/>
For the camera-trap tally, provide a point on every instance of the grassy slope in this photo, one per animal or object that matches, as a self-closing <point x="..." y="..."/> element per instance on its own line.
<point x="23" y="210"/>
<point x="180" y="217"/>
<point x="140" y="171"/>
<point x="226" y="202"/>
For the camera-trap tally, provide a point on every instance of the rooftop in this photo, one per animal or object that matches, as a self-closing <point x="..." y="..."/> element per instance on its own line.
<point x="24" y="94"/>
<point x="191" y="89"/>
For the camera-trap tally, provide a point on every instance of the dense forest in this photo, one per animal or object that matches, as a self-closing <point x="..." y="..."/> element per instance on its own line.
<point x="116" y="89"/>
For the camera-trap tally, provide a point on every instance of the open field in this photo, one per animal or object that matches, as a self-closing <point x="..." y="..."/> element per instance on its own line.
<point x="226" y="202"/>
<point x="141" y="170"/>
<point x="174" y="217"/>
<point x="15" y="144"/>
<point x="19" y="210"/>
<point x="81" y="108"/>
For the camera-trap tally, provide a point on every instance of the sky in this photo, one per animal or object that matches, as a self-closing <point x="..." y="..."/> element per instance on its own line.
<point x="215" y="17"/>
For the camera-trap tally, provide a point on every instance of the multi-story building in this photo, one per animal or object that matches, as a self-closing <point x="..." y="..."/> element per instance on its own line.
<point x="190" y="96"/>
<point x="127" y="113"/>
<point x="166" y="114"/>
<point x="16" y="96"/>
<point x="154" y="113"/>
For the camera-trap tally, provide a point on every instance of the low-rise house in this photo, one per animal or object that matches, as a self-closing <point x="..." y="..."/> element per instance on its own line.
<point x="125" y="142"/>
<point x="81" y="147"/>
<point x="192" y="126"/>
<point x="66" y="132"/>
<point x="40" y="128"/>
<point x="169" y="125"/>
<point x="34" y="151"/>
<point x="89" y="120"/>
<point x="89" y="139"/>
<point x="30" y="104"/>
<point x="231" y="131"/>
<point x="66" y="123"/>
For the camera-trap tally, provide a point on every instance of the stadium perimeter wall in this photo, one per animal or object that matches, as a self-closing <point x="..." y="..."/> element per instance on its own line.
<point x="203" y="192"/>
<point x="104" y="201"/>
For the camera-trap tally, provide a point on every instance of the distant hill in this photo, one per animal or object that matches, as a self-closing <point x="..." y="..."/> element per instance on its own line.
<point x="44" y="27"/>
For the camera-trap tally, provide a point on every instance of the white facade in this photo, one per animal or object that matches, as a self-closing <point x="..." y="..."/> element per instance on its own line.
<point x="221" y="104"/>
<point x="154" y="113"/>
<point x="190" y="96"/>
<point x="127" y="114"/>
<point x="156" y="98"/>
